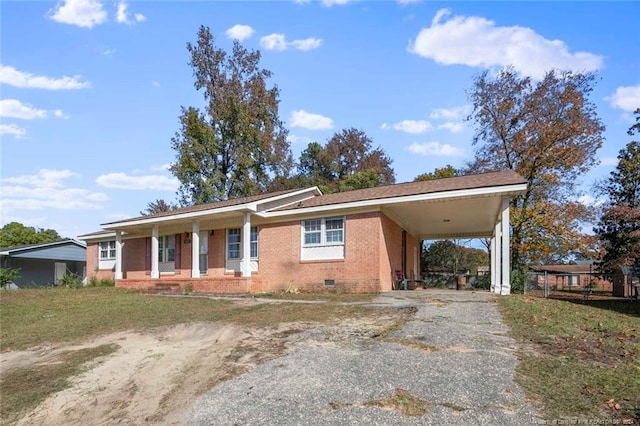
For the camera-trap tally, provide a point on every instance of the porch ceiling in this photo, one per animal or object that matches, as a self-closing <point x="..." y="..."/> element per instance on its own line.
<point x="449" y="218"/>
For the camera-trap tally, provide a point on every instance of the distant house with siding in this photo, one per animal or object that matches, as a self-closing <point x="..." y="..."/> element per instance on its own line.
<point x="44" y="264"/>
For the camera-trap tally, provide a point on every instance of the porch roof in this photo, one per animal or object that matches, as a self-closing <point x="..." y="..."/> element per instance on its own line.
<point x="459" y="207"/>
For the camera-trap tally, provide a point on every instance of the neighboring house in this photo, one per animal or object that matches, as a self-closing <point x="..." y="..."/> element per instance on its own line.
<point x="350" y="241"/>
<point x="45" y="264"/>
<point x="570" y="276"/>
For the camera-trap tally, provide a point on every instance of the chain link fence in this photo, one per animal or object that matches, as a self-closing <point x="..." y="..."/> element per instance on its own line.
<point x="548" y="284"/>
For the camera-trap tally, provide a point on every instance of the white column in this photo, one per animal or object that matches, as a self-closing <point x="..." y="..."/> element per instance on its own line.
<point x="245" y="264"/>
<point x="195" y="250"/>
<point x="498" y="259"/>
<point x="506" y="261"/>
<point x="155" y="271"/>
<point x="493" y="263"/>
<point x="118" y="275"/>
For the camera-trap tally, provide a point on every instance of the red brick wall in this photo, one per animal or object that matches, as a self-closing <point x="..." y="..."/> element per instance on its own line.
<point x="373" y="245"/>
<point x="93" y="263"/>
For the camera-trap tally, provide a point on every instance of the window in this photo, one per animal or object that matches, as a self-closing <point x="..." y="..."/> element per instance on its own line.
<point x="107" y="250"/>
<point x="328" y="231"/>
<point x="167" y="248"/>
<point x="234" y="243"/>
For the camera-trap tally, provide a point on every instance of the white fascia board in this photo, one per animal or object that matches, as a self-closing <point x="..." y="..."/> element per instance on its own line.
<point x="433" y="196"/>
<point x="180" y="216"/>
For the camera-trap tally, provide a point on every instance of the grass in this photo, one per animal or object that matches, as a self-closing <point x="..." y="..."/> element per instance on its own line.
<point x="49" y="316"/>
<point x="24" y="388"/>
<point x="581" y="358"/>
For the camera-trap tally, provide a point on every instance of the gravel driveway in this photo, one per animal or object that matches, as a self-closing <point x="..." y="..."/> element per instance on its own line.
<point x="453" y="356"/>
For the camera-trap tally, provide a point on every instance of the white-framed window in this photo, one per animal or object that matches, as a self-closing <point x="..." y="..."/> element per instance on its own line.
<point x="234" y="243"/>
<point x="323" y="232"/>
<point x="323" y="239"/>
<point x="166" y="248"/>
<point x="107" y="250"/>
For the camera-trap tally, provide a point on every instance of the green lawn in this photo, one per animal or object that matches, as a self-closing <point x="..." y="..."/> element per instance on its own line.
<point x="44" y="316"/>
<point x="580" y="358"/>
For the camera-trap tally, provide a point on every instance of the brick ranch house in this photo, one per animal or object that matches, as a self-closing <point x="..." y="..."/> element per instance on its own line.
<point x="350" y="241"/>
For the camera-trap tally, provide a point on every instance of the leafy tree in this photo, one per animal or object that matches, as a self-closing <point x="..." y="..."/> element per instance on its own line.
<point x="549" y="132"/>
<point x="453" y="255"/>
<point x="235" y="144"/>
<point x="439" y="173"/>
<point x="16" y="234"/>
<point x="158" y="206"/>
<point x="619" y="226"/>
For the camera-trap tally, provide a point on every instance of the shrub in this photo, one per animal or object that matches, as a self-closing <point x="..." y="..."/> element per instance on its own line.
<point x="187" y="288"/>
<point x="483" y="282"/>
<point x="70" y="281"/>
<point x="518" y="280"/>
<point x="104" y="282"/>
<point x="8" y="275"/>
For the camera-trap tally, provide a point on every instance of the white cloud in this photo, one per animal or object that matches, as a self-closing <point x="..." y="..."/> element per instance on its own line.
<point x="83" y="13"/>
<point x="25" y="80"/>
<point x="123" y="17"/>
<point x="308" y="120"/>
<point x="298" y="139"/>
<point x="124" y="181"/>
<point x="301" y="1"/>
<point x="13" y="130"/>
<point x="626" y="98"/>
<point x="478" y="42"/>
<point x="162" y="167"/>
<point x="47" y="190"/>
<point x="307" y="43"/>
<point x="239" y="32"/>
<point x="329" y="3"/>
<point x="608" y="161"/>
<point x="590" y="201"/>
<point x="453" y="113"/>
<point x="435" y="148"/>
<point x="273" y="42"/>
<point x="451" y="126"/>
<point x="155" y="83"/>
<point x="279" y="42"/>
<point x="411" y="126"/>
<point x="15" y="109"/>
<point x="403" y="2"/>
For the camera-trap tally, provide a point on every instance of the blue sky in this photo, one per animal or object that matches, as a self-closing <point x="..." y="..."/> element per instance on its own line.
<point x="90" y="91"/>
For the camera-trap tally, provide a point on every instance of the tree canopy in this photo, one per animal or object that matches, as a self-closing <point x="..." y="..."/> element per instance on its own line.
<point x="158" y="206"/>
<point x="347" y="161"/>
<point x="16" y="234"/>
<point x="619" y="226"/>
<point x="237" y="143"/>
<point x="439" y="173"/>
<point x="451" y="256"/>
<point x="549" y="132"/>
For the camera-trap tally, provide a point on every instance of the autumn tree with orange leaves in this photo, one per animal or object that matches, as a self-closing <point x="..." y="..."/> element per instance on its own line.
<point x="549" y="132"/>
<point x="619" y="226"/>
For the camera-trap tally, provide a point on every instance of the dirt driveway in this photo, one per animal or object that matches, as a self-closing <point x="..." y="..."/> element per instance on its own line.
<point x="439" y="357"/>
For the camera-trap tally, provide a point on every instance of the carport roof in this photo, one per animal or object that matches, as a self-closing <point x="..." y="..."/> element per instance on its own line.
<point x="458" y="183"/>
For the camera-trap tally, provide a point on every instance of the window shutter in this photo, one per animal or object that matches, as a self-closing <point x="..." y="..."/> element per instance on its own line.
<point x="177" y="255"/>
<point x="147" y="256"/>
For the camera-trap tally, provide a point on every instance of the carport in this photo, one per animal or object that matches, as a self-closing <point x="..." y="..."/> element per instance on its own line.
<point x="480" y="212"/>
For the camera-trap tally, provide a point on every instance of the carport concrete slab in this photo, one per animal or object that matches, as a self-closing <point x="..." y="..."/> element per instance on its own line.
<point x="469" y="367"/>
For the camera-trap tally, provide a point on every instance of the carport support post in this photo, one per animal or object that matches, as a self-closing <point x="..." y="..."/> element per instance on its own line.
<point x="493" y="263"/>
<point x="195" y="250"/>
<point x="246" y="246"/>
<point x="155" y="271"/>
<point x="498" y="252"/>
<point x="118" y="275"/>
<point x="506" y="264"/>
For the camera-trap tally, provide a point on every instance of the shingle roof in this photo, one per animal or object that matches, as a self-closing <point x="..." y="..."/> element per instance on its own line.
<point x="209" y="206"/>
<point x="413" y="188"/>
